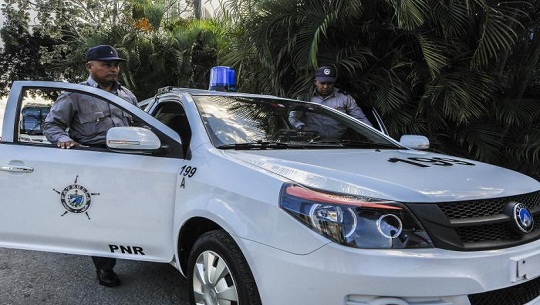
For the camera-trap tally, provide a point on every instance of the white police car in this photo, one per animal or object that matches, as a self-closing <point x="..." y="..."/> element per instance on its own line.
<point x="253" y="211"/>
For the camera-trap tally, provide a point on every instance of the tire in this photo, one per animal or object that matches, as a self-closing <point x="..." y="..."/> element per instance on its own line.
<point x="234" y="285"/>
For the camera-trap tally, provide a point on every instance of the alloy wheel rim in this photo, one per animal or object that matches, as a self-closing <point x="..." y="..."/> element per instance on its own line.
<point x="213" y="283"/>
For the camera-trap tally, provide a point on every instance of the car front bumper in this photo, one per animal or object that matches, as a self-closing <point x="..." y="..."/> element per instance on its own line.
<point x="335" y="275"/>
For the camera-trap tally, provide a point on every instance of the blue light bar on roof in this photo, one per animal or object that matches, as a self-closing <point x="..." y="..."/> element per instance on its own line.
<point x="222" y="78"/>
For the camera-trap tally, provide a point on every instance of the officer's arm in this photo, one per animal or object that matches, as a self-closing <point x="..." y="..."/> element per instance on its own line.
<point x="58" y="120"/>
<point x="295" y="119"/>
<point x="355" y="111"/>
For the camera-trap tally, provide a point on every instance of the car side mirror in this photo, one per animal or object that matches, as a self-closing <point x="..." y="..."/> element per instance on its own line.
<point x="132" y="139"/>
<point x="414" y="142"/>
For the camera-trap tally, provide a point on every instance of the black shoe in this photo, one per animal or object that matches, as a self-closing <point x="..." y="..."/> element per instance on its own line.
<point x="107" y="278"/>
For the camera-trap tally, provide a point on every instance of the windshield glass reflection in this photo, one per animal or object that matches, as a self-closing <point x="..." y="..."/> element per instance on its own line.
<point x="251" y="123"/>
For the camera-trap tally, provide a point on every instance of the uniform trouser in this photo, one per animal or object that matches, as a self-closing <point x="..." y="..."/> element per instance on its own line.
<point x="104" y="263"/>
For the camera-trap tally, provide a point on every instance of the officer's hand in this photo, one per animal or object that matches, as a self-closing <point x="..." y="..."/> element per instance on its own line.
<point x="67" y="144"/>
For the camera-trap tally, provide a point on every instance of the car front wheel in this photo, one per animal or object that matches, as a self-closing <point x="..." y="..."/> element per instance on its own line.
<point x="218" y="273"/>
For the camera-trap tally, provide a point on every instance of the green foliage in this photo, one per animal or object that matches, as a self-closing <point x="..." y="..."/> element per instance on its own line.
<point x="160" y="52"/>
<point x="463" y="72"/>
<point x="177" y="58"/>
<point x="457" y="71"/>
<point x="22" y="51"/>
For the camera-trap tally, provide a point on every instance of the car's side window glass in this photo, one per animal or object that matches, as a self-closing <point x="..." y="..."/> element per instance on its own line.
<point x="35" y="105"/>
<point x="174" y="116"/>
<point x="93" y="116"/>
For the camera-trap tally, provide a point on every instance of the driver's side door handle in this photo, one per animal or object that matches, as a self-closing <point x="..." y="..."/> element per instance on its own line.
<point x="17" y="168"/>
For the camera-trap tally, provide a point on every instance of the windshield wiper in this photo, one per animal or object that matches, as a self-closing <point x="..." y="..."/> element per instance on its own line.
<point x="255" y="145"/>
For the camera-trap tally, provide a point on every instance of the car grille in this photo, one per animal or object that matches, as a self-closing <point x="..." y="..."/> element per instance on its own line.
<point x="477" y="224"/>
<point x="515" y="295"/>
<point x="482" y="208"/>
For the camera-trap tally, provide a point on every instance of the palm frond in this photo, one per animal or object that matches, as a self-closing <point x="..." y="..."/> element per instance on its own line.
<point x="482" y="139"/>
<point x="460" y="96"/>
<point x="390" y="94"/>
<point x="433" y="51"/>
<point x="452" y="18"/>
<point x="410" y="13"/>
<point x="317" y="37"/>
<point x="498" y="34"/>
<point x="353" y="59"/>
<point x="526" y="147"/>
<point x="517" y="112"/>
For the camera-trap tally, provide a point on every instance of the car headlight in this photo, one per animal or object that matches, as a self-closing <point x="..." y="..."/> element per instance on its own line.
<point x="355" y="221"/>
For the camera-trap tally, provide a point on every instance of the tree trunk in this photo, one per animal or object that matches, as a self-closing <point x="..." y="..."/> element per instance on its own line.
<point x="197" y="11"/>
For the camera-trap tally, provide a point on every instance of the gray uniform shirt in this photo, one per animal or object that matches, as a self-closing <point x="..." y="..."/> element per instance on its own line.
<point x="84" y="118"/>
<point x="327" y="127"/>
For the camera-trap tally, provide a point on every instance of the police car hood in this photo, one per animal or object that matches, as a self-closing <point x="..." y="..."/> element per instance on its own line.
<point x="401" y="175"/>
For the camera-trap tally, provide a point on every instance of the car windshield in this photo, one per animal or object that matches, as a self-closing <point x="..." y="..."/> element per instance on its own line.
<point x="235" y="122"/>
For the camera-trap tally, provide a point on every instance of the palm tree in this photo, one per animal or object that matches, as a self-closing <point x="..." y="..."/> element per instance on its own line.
<point x="160" y="51"/>
<point x="452" y="70"/>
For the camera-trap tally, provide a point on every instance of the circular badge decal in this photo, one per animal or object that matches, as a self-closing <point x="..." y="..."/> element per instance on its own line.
<point x="76" y="198"/>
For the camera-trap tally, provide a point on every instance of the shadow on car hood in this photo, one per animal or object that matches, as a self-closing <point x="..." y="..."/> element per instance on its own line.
<point x="401" y="175"/>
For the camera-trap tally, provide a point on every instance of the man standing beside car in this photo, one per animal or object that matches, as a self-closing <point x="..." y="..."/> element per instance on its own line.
<point x="326" y="94"/>
<point x="81" y="120"/>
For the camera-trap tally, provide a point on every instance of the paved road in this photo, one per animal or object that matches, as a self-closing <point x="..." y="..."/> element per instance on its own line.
<point x="40" y="278"/>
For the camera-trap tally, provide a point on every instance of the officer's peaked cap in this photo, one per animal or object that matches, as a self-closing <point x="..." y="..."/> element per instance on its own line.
<point x="326" y="74"/>
<point x="103" y="53"/>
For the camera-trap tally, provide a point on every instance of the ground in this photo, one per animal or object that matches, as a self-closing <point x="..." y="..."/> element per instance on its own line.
<point x="30" y="277"/>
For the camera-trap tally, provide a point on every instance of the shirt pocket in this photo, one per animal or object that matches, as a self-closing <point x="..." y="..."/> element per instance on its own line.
<point x="90" y="122"/>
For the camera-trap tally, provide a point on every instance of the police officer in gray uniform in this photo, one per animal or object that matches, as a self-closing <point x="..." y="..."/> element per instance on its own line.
<point x="326" y="94"/>
<point x="87" y="117"/>
<point x="82" y="120"/>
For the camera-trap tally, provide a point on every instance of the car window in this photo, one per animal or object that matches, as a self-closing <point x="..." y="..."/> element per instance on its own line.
<point x="36" y="104"/>
<point x="24" y="93"/>
<point x="233" y="121"/>
<point x="174" y="116"/>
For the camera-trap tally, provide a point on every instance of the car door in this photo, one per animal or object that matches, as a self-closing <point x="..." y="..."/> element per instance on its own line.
<point x="91" y="201"/>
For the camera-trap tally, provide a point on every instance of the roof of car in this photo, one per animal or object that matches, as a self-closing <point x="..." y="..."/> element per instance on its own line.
<point x="200" y="92"/>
